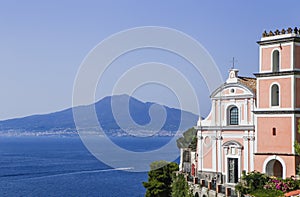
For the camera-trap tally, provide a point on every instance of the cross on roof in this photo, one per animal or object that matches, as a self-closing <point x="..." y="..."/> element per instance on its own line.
<point x="233" y="61"/>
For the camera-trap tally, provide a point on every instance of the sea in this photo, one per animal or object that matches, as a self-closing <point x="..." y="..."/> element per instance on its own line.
<point x="62" y="166"/>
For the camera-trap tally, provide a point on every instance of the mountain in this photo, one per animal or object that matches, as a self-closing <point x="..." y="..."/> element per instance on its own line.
<point x="62" y="122"/>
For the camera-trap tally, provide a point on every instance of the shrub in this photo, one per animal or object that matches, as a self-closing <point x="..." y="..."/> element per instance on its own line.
<point x="267" y="193"/>
<point x="260" y="185"/>
<point x="251" y="182"/>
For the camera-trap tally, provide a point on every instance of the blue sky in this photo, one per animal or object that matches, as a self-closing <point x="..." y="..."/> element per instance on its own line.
<point x="42" y="43"/>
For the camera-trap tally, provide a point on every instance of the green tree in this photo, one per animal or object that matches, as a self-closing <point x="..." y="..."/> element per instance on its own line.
<point x="160" y="179"/>
<point x="297" y="146"/>
<point x="189" y="139"/>
<point x="180" y="187"/>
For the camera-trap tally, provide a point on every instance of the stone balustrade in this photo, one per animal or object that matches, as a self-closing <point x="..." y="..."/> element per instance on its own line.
<point x="282" y="32"/>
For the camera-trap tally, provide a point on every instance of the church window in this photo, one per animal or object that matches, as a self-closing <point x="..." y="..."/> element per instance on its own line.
<point x="234" y="116"/>
<point x="275" y="60"/>
<point x="275" y="95"/>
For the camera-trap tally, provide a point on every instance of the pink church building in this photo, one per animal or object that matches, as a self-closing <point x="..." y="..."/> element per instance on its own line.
<point x="253" y="123"/>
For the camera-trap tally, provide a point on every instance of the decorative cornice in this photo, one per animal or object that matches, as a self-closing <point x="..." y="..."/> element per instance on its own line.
<point x="281" y="154"/>
<point x="250" y="138"/>
<point x="244" y="96"/>
<point x="279" y="40"/>
<point x="282" y="73"/>
<point x="232" y="143"/>
<point x="226" y="128"/>
<point x="219" y="138"/>
<point x="278" y="112"/>
<point x="230" y="85"/>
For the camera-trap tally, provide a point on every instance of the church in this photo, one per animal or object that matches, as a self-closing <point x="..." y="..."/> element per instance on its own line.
<point x="254" y="122"/>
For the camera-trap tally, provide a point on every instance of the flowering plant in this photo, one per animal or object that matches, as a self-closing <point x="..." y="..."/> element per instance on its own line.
<point x="284" y="185"/>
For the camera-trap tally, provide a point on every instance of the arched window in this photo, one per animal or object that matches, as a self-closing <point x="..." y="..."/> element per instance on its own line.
<point x="275" y="66"/>
<point x="275" y="95"/>
<point x="233" y="116"/>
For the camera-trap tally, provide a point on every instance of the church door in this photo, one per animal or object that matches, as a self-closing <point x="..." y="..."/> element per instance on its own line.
<point x="232" y="170"/>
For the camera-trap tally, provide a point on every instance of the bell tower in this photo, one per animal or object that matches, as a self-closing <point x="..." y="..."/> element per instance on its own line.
<point x="277" y="115"/>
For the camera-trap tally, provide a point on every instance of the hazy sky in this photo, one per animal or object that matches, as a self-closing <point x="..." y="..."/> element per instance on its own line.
<point x="42" y="43"/>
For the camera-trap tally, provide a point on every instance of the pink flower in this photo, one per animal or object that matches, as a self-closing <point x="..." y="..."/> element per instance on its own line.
<point x="278" y="187"/>
<point x="275" y="181"/>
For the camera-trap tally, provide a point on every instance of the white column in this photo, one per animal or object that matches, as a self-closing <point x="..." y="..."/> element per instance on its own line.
<point x="214" y="162"/>
<point x="252" y="144"/>
<point x="219" y="108"/>
<point x="213" y="109"/>
<point x="226" y="151"/>
<point x="200" y="156"/>
<point x="220" y="159"/>
<point x="246" y="111"/>
<point x="246" y="153"/>
<point x="252" y="109"/>
<point x="240" y="162"/>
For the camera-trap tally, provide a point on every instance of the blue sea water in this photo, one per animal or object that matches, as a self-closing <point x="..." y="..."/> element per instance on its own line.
<point x="62" y="166"/>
